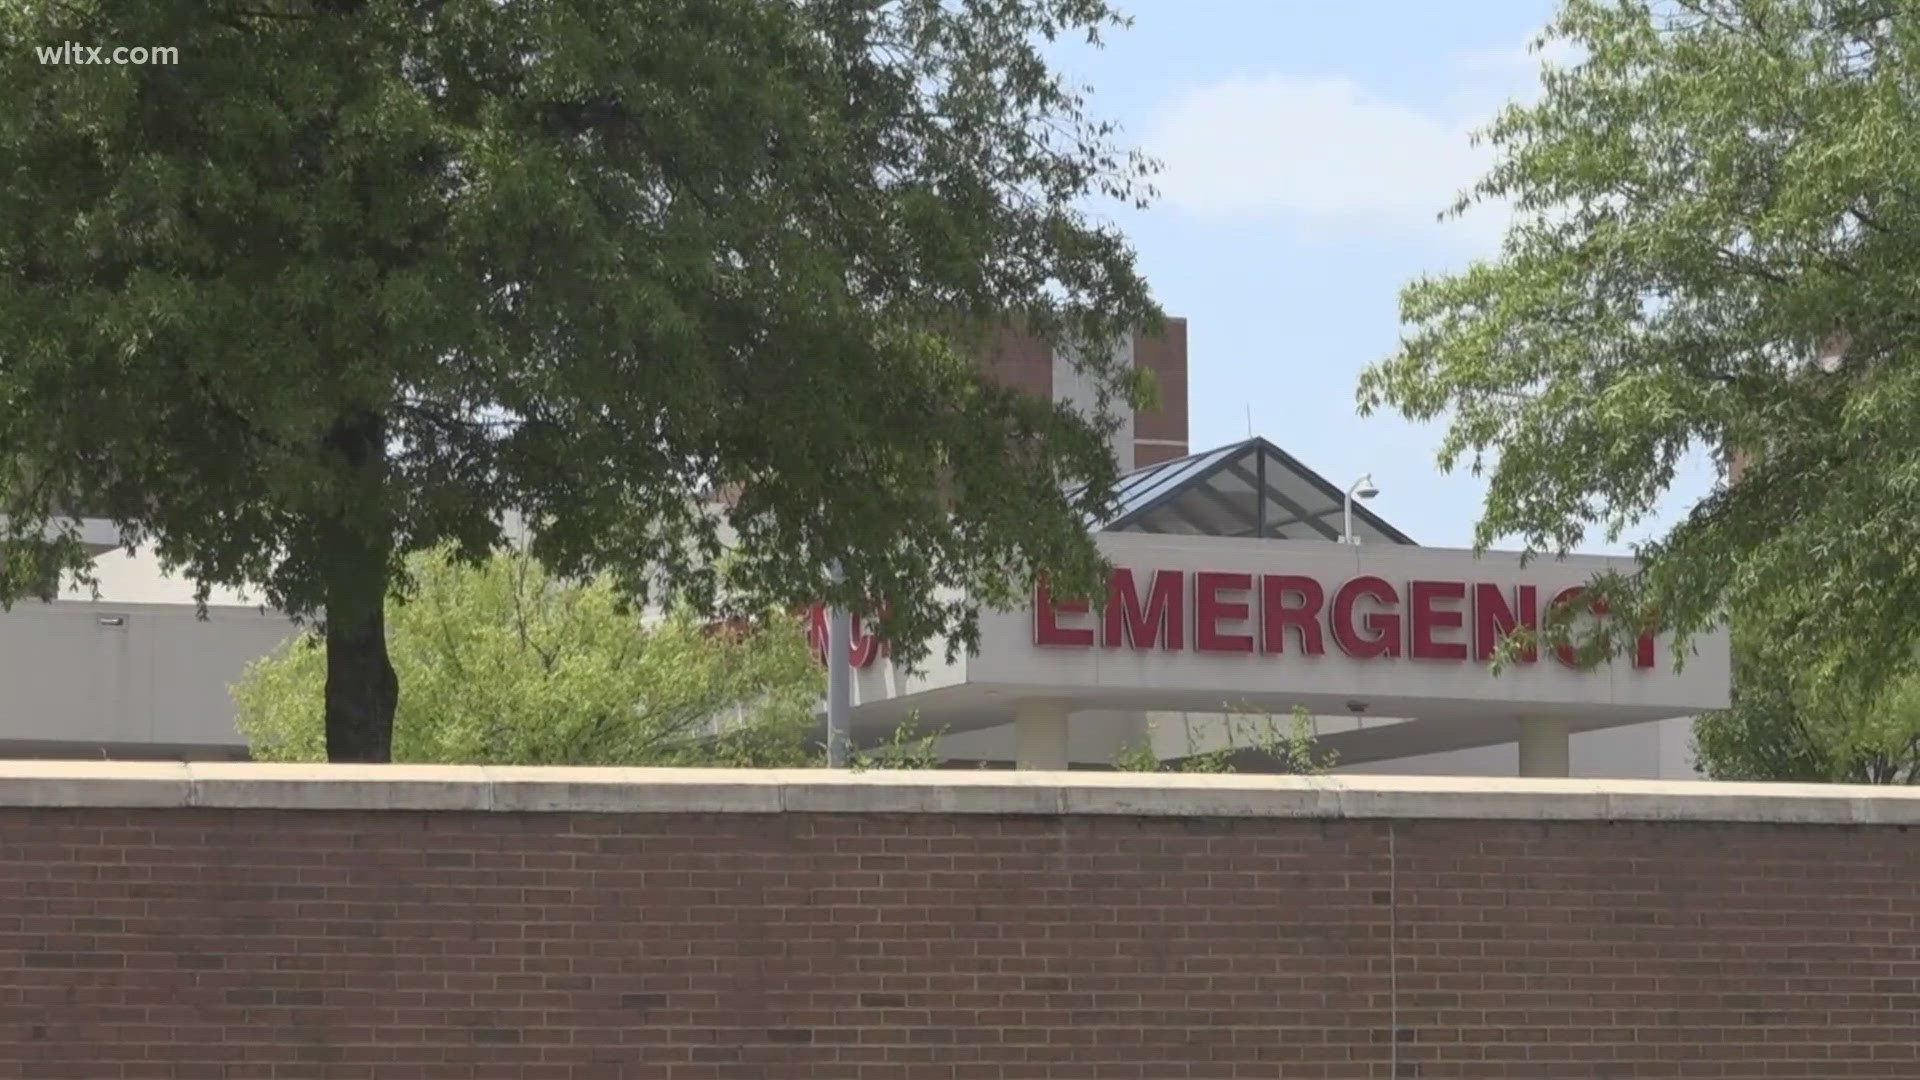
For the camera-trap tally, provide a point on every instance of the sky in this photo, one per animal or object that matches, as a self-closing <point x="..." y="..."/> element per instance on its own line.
<point x="1307" y="148"/>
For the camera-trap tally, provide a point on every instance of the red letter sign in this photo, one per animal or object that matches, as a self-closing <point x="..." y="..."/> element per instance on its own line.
<point x="1209" y="611"/>
<point x="1160" y="620"/>
<point x="1422" y="596"/>
<point x="1363" y="617"/>
<point x="1276" y="616"/>
<point x="1571" y="597"/>
<point x="1642" y="647"/>
<point x="1383" y="628"/>
<point x="1046" y="620"/>
<point x="1493" y="620"/>
<point x="862" y="648"/>
<point x="1643" y="650"/>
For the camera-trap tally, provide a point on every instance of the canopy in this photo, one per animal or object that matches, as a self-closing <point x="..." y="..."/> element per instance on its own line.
<point x="1249" y="489"/>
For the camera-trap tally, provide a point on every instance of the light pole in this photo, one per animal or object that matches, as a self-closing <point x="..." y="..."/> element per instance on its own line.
<point x="839" y="678"/>
<point x="1362" y="488"/>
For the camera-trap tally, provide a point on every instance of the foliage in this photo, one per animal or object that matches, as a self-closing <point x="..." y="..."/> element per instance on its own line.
<point x="907" y="747"/>
<point x="1277" y="748"/>
<point x="356" y="278"/>
<point x="1716" y="242"/>
<point x="1785" y="724"/>
<point x="504" y="663"/>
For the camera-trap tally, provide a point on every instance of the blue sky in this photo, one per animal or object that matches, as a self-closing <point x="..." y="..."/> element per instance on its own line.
<point x="1308" y="147"/>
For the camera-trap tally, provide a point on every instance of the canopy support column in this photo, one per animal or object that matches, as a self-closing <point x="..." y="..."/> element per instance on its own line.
<point x="1040" y="734"/>
<point x="1545" y="747"/>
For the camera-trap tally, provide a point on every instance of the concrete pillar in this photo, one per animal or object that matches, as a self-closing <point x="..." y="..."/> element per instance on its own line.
<point x="1040" y="734"/>
<point x="1545" y="749"/>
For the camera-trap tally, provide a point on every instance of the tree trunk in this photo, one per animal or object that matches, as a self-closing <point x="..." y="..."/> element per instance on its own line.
<point x="362" y="690"/>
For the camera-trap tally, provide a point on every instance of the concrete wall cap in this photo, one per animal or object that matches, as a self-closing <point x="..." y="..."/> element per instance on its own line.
<point x="60" y="784"/>
<point x="82" y="784"/>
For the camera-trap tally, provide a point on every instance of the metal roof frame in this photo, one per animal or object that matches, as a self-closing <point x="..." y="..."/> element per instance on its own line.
<point x="1168" y="480"/>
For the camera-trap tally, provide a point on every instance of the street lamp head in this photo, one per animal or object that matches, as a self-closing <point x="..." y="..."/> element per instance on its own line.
<point x="1362" y="488"/>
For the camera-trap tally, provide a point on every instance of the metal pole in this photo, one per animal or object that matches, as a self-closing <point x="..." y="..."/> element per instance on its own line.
<point x="839" y="678"/>
<point x="1260" y="497"/>
<point x="1364" y="487"/>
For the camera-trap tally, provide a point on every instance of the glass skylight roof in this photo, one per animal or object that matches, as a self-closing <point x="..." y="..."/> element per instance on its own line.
<point x="1251" y="488"/>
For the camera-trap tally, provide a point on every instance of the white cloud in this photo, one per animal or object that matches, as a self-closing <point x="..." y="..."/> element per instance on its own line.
<point x="1332" y="154"/>
<point x="1317" y="148"/>
<point x="1519" y="67"/>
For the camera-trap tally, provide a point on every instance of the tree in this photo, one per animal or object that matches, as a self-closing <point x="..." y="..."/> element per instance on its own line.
<point x="1714" y="248"/>
<point x="357" y="278"/>
<point x="1786" y="723"/>
<point x="502" y="663"/>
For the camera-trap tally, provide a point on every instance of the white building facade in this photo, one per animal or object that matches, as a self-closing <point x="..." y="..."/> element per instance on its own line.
<point x="1390" y="648"/>
<point x="138" y="672"/>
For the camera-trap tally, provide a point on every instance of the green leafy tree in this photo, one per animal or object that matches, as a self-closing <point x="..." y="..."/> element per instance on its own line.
<point x="355" y="278"/>
<point x="1716" y="241"/>
<point x="1786" y="723"/>
<point x="502" y="663"/>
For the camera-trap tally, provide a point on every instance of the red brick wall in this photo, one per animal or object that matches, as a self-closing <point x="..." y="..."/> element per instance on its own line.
<point x="1166" y="356"/>
<point x="1014" y="358"/>
<point x="228" y="944"/>
<point x="1018" y="360"/>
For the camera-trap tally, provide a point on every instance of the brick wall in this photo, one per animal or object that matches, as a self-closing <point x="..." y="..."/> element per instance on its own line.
<point x="1160" y="433"/>
<point x="1017" y="359"/>
<point x="227" y="943"/>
